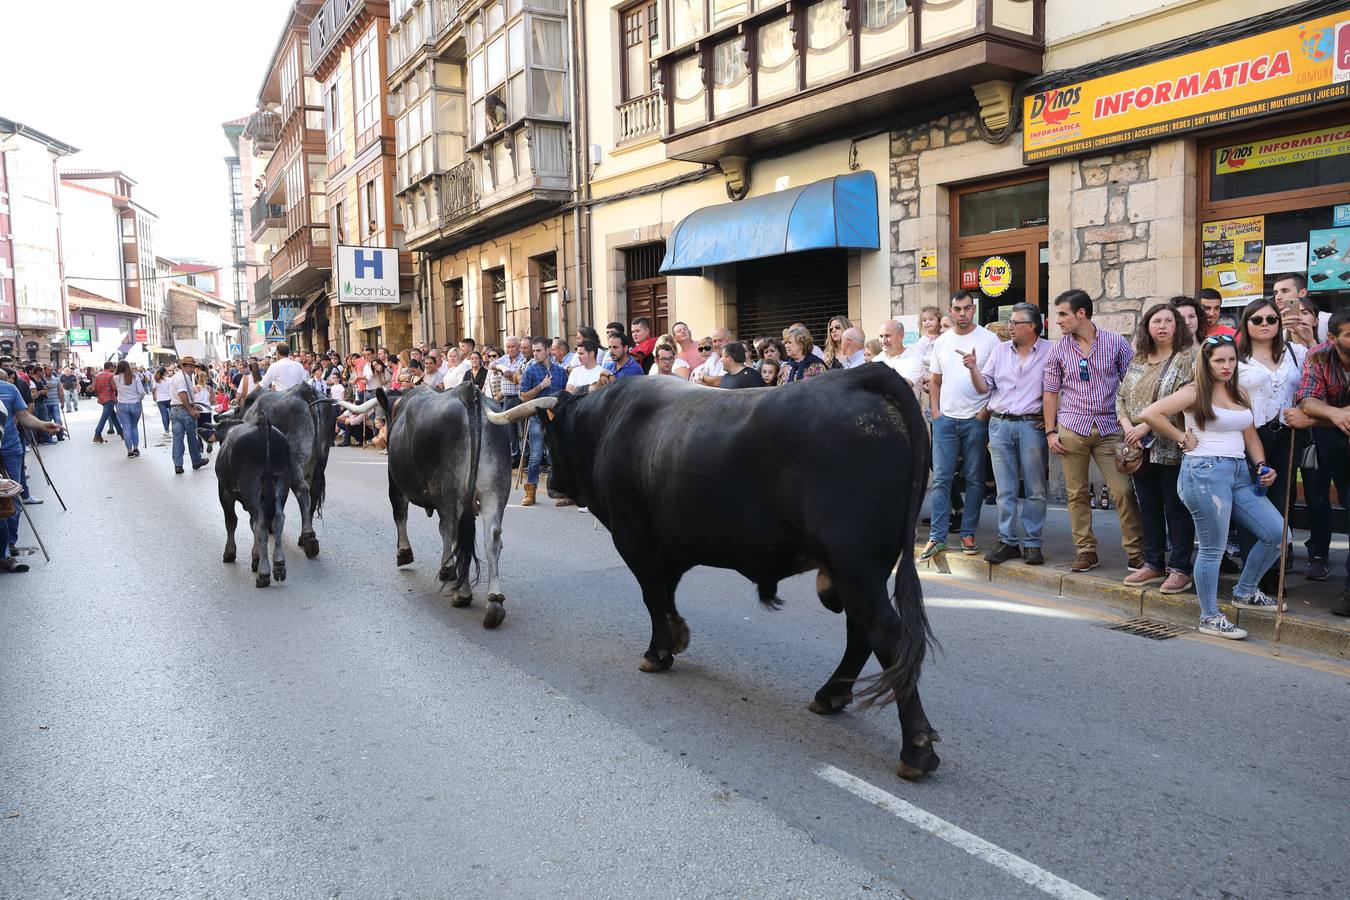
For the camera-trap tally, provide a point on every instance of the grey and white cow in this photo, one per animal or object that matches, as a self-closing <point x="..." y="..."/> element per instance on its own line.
<point x="446" y="457"/>
<point x="253" y="469"/>
<point x="308" y="421"/>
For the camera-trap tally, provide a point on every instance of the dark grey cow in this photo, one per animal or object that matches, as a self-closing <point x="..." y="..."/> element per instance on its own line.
<point x="447" y="458"/>
<point x="253" y="469"/>
<point x="308" y="425"/>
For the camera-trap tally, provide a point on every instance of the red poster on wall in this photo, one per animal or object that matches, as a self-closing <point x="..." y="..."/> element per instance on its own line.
<point x="142" y="335"/>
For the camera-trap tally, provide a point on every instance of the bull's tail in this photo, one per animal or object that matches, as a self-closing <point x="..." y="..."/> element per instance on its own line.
<point x="901" y="677"/>
<point x="465" y="555"/>
<point x="269" y="484"/>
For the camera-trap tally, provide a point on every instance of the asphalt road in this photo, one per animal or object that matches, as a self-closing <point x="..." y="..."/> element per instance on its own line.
<point x="168" y="729"/>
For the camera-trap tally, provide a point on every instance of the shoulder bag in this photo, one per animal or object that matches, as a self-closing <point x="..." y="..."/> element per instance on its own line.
<point x="1129" y="460"/>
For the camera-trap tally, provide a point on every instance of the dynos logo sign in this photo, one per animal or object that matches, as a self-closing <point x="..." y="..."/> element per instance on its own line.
<point x="367" y="275"/>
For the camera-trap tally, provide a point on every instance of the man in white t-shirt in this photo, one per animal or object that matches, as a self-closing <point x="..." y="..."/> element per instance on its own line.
<point x="588" y="372"/>
<point x="960" y="429"/>
<point x="283" y="374"/>
<point x="712" y="370"/>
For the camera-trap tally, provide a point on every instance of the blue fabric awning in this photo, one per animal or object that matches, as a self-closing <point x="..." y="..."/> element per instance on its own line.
<point x="834" y="212"/>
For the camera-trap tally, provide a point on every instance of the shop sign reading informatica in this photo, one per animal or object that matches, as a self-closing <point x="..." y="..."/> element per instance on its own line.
<point x="367" y="275"/>
<point x="1276" y="71"/>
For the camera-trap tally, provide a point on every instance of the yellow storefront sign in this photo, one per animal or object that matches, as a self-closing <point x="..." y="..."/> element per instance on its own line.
<point x="1287" y="68"/>
<point x="1280" y="151"/>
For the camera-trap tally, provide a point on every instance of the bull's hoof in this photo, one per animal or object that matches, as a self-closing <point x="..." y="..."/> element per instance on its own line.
<point x="404" y="556"/>
<point x="679" y="634"/>
<point x="459" y="602"/>
<point x="279" y="571"/>
<point x="494" y="615"/>
<point x="255" y="563"/>
<point x="262" y="580"/>
<point x="228" y="557"/>
<point x="311" y="545"/>
<point x="823" y="704"/>
<point x="445" y="574"/>
<point x="918" y="760"/>
<point x="496" y="598"/>
<point x="659" y="663"/>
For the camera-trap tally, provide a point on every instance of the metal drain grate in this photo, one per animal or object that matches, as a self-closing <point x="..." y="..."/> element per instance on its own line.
<point x="1149" y="628"/>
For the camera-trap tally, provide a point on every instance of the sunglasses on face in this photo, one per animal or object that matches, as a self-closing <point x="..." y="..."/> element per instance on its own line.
<point x="1264" y="320"/>
<point x="1219" y="339"/>
<point x="704" y="348"/>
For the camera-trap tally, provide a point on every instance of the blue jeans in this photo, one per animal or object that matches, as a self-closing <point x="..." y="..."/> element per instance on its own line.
<point x="1019" y="451"/>
<point x="9" y="527"/>
<point x="129" y="414"/>
<point x="109" y="416"/>
<point x="163" y="412"/>
<point x="510" y="402"/>
<point x="54" y="415"/>
<point x="953" y="438"/>
<point x="1216" y="490"/>
<point x="184" y="425"/>
<point x="535" y="446"/>
<point x="73" y="400"/>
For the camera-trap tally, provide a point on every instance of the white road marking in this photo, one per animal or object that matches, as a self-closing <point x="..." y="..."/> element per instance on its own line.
<point x="997" y="606"/>
<point x="959" y="838"/>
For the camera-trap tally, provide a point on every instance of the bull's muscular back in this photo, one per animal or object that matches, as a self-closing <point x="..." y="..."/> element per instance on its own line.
<point x="767" y="481"/>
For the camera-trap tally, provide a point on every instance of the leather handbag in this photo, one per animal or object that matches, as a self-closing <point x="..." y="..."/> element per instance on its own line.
<point x="1129" y="460"/>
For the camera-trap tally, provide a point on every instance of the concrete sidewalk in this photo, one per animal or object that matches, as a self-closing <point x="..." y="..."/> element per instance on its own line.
<point x="1308" y="623"/>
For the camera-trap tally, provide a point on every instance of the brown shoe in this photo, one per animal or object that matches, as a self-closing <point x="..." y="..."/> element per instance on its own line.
<point x="1085" y="561"/>
<point x="529" y="495"/>
<point x="1142" y="576"/>
<point x="563" y="501"/>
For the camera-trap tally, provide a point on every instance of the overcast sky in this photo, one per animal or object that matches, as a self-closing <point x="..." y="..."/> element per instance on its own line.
<point x="143" y="86"/>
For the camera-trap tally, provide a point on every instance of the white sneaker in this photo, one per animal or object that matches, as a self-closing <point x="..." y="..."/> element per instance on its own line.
<point x="1219" y="626"/>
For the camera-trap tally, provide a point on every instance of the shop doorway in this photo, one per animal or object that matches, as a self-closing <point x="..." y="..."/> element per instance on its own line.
<point x="772" y="293"/>
<point x="1000" y="244"/>
<point x="645" y="286"/>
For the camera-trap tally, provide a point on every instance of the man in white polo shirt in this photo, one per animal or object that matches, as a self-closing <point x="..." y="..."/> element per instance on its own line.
<point x="283" y="374"/>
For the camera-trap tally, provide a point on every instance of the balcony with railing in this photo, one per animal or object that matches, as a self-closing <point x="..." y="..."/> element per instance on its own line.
<point x="264" y="215"/>
<point x="640" y="118"/>
<point x="302" y="262"/>
<point x="263" y="131"/>
<point x="459" y="192"/>
<point x="742" y="82"/>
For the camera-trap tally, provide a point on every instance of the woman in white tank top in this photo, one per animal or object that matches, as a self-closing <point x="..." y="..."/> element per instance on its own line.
<point x="1216" y="483"/>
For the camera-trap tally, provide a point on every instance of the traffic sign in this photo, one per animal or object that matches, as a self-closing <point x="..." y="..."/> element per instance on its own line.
<point x="236" y="349"/>
<point x="274" y="329"/>
<point x="142" y="335"/>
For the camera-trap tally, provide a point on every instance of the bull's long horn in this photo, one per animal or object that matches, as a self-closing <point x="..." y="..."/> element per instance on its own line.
<point x="358" y="410"/>
<point x="524" y="410"/>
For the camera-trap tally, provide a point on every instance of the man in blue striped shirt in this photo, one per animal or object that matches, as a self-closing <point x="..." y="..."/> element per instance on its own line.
<point x="1080" y="384"/>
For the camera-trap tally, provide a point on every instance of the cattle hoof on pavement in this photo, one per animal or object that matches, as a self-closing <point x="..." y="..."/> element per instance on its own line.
<point x="279" y="572"/>
<point x="262" y="581"/>
<point x="461" y="601"/>
<point x="311" y="545"/>
<point x="918" y="760"/>
<point x="405" y="556"/>
<point x="494" y="615"/>
<point x="445" y="574"/>
<point x="679" y="634"/>
<point x="663" y="662"/>
<point x="829" y="705"/>
<point x="228" y="557"/>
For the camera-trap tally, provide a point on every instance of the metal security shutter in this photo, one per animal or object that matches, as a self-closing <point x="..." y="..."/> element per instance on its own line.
<point x="772" y="293"/>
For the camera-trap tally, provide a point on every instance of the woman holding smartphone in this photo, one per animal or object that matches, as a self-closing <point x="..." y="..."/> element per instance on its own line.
<point x="1215" y="482"/>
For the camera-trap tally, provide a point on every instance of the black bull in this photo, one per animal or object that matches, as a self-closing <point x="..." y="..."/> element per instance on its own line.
<point x="789" y="471"/>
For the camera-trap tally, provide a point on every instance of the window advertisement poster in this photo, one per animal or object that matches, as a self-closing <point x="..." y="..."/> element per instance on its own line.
<point x="1329" y="259"/>
<point x="367" y="275"/>
<point x="1233" y="258"/>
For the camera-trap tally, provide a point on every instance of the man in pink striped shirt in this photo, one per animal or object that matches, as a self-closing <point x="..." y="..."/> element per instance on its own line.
<point x="1080" y="384"/>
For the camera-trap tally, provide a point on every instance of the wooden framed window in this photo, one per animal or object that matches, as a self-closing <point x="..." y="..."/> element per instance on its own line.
<point x="641" y="41"/>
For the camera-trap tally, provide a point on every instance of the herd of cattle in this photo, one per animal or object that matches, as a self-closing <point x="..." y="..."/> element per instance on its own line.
<point x="628" y="454"/>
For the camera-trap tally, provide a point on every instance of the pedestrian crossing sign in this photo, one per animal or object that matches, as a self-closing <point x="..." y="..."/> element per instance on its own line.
<point x="274" y="329"/>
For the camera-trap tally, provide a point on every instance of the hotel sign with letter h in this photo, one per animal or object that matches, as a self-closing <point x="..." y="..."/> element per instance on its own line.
<point x="367" y="275"/>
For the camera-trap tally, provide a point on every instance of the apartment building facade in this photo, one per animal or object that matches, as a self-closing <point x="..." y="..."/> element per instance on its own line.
<point x="483" y="97"/>
<point x="289" y="212"/>
<point x="349" y="41"/>
<point x="33" y="313"/>
<point x="242" y="169"/>
<point x="109" y="249"/>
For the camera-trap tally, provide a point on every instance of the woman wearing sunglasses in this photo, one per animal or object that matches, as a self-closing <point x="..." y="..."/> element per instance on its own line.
<point x="1268" y="371"/>
<point x="1216" y="483"/>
